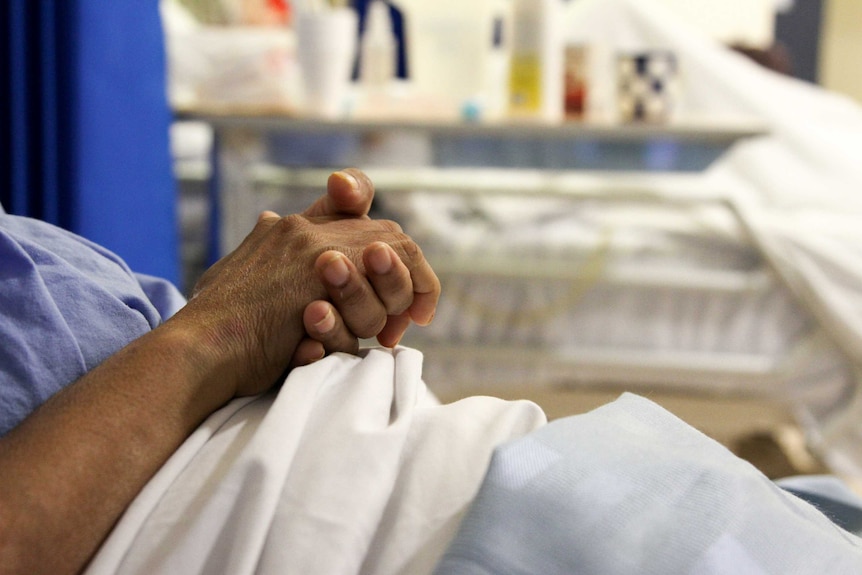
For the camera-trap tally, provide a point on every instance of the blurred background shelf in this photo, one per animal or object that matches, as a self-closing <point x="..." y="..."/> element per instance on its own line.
<point x="254" y="150"/>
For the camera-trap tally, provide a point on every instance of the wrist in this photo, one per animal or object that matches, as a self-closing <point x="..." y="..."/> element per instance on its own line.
<point x="203" y="367"/>
<point x="237" y="351"/>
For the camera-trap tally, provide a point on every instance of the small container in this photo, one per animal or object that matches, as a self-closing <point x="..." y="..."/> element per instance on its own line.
<point x="576" y="80"/>
<point x="536" y="65"/>
<point x="647" y="86"/>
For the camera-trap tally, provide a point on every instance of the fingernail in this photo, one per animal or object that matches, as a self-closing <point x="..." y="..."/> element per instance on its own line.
<point x="423" y="321"/>
<point x="380" y="259"/>
<point x="326" y="324"/>
<point x="318" y="358"/>
<point x="350" y="179"/>
<point x="336" y="272"/>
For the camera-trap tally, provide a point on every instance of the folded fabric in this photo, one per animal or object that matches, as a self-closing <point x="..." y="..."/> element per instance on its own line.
<point x="629" y="488"/>
<point x="351" y="467"/>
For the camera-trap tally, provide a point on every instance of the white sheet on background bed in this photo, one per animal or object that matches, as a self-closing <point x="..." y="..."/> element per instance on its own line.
<point x="631" y="251"/>
<point x="645" y="233"/>
<point x="652" y="279"/>
<point x="799" y="189"/>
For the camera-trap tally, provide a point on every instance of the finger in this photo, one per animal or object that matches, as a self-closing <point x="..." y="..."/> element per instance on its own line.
<point x="267" y="215"/>
<point x="425" y="299"/>
<point x="349" y="193"/>
<point x="394" y="329"/>
<point x="351" y="294"/>
<point x="426" y="285"/>
<point x="389" y="277"/>
<point x="308" y="351"/>
<point x="324" y="324"/>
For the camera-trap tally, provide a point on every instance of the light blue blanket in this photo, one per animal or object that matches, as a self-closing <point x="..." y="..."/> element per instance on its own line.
<point x="629" y="488"/>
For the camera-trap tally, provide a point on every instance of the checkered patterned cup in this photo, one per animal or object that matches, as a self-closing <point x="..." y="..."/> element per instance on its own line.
<point x="647" y="86"/>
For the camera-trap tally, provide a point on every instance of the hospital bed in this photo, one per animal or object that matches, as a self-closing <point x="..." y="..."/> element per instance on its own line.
<point x="350" y="467"/>
<point x="643" y="280"/>
<point x="353" y="468"/>
<point x="261" y="166"/>
<point x="745" y="289"/>
<point x="632" y="239"/>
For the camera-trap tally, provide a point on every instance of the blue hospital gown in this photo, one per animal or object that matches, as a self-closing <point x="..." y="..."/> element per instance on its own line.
<point x="66" y="304"/>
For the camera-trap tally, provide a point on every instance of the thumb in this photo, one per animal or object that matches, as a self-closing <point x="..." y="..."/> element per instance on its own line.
<point x="349" y="193"/>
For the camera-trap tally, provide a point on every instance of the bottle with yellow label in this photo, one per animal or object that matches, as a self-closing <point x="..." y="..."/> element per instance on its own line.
<point x="536" y="60"/>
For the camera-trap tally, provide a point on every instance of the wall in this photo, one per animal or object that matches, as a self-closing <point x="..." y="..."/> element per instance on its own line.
<point x="841" y="47"/>
<point x="747" y="22"/>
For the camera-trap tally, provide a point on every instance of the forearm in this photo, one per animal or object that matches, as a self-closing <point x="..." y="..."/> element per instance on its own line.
<point x="68" y="472"/>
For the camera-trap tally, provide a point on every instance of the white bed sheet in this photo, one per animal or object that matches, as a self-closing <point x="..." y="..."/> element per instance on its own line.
<point x="797" y="190"/>
<point x="638" y="284"/>
<point x="352" y="467"/>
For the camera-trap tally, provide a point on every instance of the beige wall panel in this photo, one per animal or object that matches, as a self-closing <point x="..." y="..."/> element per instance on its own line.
<point x="841" y="47"/>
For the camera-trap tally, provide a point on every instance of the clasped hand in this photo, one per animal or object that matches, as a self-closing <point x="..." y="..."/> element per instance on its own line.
<point x="305" y="285"/>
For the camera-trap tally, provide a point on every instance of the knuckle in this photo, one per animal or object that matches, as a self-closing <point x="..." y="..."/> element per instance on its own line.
<point x="295" y="231"/>
<point x="290" y="223"/>
<point x="391" y="226"/>
<point x="369" y="326"/>
<point x="399" y="305"/>
<point x="411" y="254"/>
<point x="352" y="295"/>
<point x="399" y="294"/>
<point x="361" y="314"/>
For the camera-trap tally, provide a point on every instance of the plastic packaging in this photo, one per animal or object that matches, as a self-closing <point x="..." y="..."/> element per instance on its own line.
<point x="232" y="66"/>
<point x="536" y="68"/>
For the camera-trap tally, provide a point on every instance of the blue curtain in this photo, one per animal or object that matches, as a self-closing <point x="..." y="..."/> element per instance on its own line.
<point x="85" y="125"/>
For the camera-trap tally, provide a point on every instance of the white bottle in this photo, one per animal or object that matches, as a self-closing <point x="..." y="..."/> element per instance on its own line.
<point x="377" y="59"/>
<point x="536" y="64"/>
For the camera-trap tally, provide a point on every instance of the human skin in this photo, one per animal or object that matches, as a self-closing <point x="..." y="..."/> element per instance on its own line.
<point x="349" y="195"/>
<point x="69" y="470"/>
